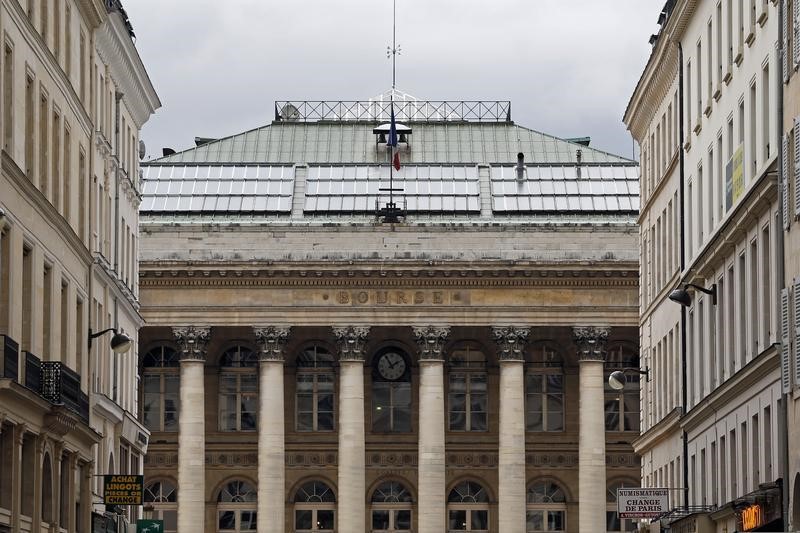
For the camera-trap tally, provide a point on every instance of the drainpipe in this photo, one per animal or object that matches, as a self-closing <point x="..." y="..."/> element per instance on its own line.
<point x="681" y="203"/>
<point x="783" y="414"/>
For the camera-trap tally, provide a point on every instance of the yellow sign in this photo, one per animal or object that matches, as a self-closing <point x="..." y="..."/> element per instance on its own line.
<point x="734" y="177"/>
<point x="752" y="517"/>
<point x="123" y="490"/>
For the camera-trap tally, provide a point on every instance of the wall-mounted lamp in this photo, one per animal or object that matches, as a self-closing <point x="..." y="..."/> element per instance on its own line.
<point x="683" y="297"/>
<point x="120" y="342"/>
<point x="617" y="378"/>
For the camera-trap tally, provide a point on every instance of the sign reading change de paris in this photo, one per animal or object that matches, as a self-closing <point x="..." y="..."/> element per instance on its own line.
<point x="123" y="490"/>
<point x="642" y="503"/>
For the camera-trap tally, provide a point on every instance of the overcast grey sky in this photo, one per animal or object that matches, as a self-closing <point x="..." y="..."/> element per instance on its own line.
<point x="568" y="66"/>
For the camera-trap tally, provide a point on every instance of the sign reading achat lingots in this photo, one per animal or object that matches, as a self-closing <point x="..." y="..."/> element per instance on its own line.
<point x="123" y="490"/>
<point x="642" y="503"/>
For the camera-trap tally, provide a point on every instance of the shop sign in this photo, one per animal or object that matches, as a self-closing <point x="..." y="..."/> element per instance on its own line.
<point x="123" y="490"/>
<point x="642" y="503"/>
<point x="752" y="517"/>
<point x="149" y="526"/>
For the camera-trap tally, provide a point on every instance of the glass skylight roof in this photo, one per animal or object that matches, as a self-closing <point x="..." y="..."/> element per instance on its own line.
<point x="559" y="188"/>
<point x="418" y="188"/>
<point x="204" y="188"/>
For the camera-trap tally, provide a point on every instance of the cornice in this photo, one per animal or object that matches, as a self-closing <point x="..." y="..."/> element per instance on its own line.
<point x="93" y="11"/>
<point x="116" y="49"/>
<point x="658" y="433"/>
<point x="296" y="277"/>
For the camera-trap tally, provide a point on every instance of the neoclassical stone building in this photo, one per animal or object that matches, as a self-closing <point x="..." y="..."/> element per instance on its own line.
<point x="308" y="366"/>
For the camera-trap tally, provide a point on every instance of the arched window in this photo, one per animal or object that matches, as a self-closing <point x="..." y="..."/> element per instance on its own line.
<point x="314" y="508"/>
<point x="466" y="393"/>
<point x="544" y="388"/>
<point x="236" y="508"/>
<point x="47" y="489"/>
<point x="468" y="508"/>
<point x="546" y="507"/>
<point x="622" y="407"/>
<point x="161" y="383"/>
<point x="238" y="390"/>
<point x="391" y="391"/>
<point x="163" y="497"/>
<point x="314" y="393"/>
<point x="613" y="522"/>
<point x="391" y="508"/>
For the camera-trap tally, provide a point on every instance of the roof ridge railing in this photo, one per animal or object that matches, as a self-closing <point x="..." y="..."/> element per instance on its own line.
<point x="406" y="111"/>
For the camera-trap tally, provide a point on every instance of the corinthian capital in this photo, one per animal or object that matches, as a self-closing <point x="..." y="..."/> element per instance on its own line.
<point x="430" y="340"/>
<point x="272" y="341"/>
<point x="351" y="341"/>
<point x="192" y="342"/>
<point x="591" y="342"/>
<point x="511" y="341"/>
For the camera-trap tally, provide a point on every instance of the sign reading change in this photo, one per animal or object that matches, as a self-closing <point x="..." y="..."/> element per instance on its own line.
<point x="123" y="490"/>
<point x="642" y="503"/>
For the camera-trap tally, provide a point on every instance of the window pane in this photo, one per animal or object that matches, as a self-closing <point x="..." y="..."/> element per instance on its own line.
<point x="458" y="402"/>
<point x="325" y="402"/>
<point x="555" y="383"/>
<point x="612" y="521"/>
<point x="381" y="419"/>
<point x="150" y="414"/>
<point x="402" y="419"/>
<point x="478" y="421"/>
<point x="305" y="422"/>
<point x="458" y="520"/>
<point x="402" y="519"/>
<point x="305" y="383"/>
<point x="480" y="520"/>
<point x="380" y="519"/>
<point x="249" y="406"/>
<point x="555" y="520"/>
<point x="325" y="519"/>
<point x="534" y="383"/>
<point x="325" y="421"/>
<point x="534" y="521"/>
<point x="555" y="421"/>
<point x="248" y="521"/>
<point x="477" y="403"/>
<point x="152" y="383"/>
<point x="305" y="403"/>
<point x="227" y="412"/>
<point x="458" y="421"/>
<point x="227" y="520"/>
<point x="458" y="383"/>
<point x="478" y="382"/>
<point x="302" y="519"/>
<point x="534" y="422"/>
<point x="612" y="412"/>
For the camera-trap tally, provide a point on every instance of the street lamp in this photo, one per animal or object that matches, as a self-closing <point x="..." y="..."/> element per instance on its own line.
<point x="120" y="343"/>
<point x="683" y="297"/>
<point x="617" y="378"/>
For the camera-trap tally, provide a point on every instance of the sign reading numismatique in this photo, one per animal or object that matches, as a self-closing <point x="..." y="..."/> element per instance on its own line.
<point x="123" y="490"/>
<point x="642" y="503"/>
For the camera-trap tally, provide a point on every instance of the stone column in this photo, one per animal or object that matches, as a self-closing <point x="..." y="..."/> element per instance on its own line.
<point x="16" y="476"/>
<point x="271" y="456"/>
<point x="352" y="450"/>
<point x="511" y="457"/>
<point x="192" y="342"/>
<point x="591" y="344"/>
<point x="431" y="461"/>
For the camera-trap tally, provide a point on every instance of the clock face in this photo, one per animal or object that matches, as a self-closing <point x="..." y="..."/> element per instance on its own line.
<point x="391" y="366"/>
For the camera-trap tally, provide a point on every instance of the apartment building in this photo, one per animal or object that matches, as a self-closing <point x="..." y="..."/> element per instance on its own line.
<point x="706" y="115"/>
<point x="74" y="97"/>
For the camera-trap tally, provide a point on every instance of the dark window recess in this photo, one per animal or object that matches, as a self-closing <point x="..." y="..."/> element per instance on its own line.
<point x="10" y="358"/>
<point x="33" y="372"/>
<point x="61" y="385"/>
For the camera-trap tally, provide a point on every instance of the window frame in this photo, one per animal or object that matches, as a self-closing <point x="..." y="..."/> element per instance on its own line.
<point x="394" y="388"/>
<point x="165" y="364"/>
<point x="322" y="363"/>
<point x="469" y="507"/>
<point x="163" y="504"/>
<point x="238" y="362"/>
<point x="393" y="506"/>
<point x="554" y="505"/>
<point x="467" y="359"/>
<point x="544" y="359"/>
<point x="622" y="355"/>
<point x="241" y="502"/>
<point x="314" y="503"/>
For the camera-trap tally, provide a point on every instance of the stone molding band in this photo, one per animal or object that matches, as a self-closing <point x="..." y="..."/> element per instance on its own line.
<point x="272" y="342"/>
<point x="192" y="342"/>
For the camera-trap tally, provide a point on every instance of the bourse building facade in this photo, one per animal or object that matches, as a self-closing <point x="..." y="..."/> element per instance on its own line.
<point x="308" y="367"/>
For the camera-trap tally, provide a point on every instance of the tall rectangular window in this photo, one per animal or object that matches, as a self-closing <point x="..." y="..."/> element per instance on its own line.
<point x="82" y="185"/>
<point x="689" y="99"/>
<point x="766" y="288"/>
<point x="723" y="471"/>
<point x="30" y="103"/>
<point x="82" y="50"/>
<point x="755" y="436"/>
<point x="699" y="89"/>
<point x="68" y="40"/>
<point x="689" y="218"/>
<point x="713" y="192"/>
<point x="467" y="398"/>
<point x="701" y="352"/>
<point x="767" y="444"/>
<point x="238" y="401"/>
<point x="27" y="298"/>
<point x="699" y="200"/>
<point x="56" y="173"/>
<point x="80" y="335"/>
<point x="57" y="31"/>
<point x="742" y="311"/>
<point x="730" y="342"/>
<point x="703" y="478"/>
<point x="753" y="131"/>
<point x="720" y="181"/>
<point x="709" y="62"/>
<point x="8" y="98"/>
<point x="733" y="462"/>
<point x="744" y="457"/>
<point x="719" y="24"/>
<point x="44" y="143"/>
<point x="544" y="391"/>
<point x="740" y="41"/>
<point x="5" y="268"/>
<point x="753" y="304"/>
<point x="693" y="485"/>
<point x="729" y="36"/>
<point x="65" y="355"/>
<point x="47" y="312"/>
<point x="765" y="114"/>
<point x="43" y="16"/>
<point x="67" y="174"/>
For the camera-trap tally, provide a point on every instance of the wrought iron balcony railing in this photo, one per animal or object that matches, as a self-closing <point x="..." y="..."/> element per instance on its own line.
<point x="61" y="385"/>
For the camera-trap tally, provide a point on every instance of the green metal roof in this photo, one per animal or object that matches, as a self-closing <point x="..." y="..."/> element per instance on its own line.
<point x="354" y="142"/>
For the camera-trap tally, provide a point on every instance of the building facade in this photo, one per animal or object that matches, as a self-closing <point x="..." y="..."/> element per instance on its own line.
<point x="706" y="114"/>
<point x="308" y="366"/>
<point x="74" y="96"/>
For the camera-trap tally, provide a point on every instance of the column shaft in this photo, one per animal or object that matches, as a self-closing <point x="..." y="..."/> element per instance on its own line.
<point x="511" y="467"/>
<point x="271" y="457"/>
<point x="352" y="481"/>
<point x="431" y="461"/>
<point x="191" y="448"/>
<point x="592" y="448"/>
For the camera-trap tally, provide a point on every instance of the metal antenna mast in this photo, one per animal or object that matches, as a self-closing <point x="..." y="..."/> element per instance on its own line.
<point x="394" y="50"/>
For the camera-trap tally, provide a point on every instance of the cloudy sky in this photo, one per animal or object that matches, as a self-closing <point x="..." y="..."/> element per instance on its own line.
<point x="568" y="66"/>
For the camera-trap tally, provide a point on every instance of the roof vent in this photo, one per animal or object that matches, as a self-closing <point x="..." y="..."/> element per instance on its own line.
<point x="521" y="169"/>
<point x="167" y="151"/>
<point x="200" y="141"/>
<point x="289" y="113"/>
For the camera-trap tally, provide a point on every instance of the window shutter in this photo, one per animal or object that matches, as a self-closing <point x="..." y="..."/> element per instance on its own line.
<point x="785" y="181"/>
<point x="785" y="348"/>
<point x="796" y="161"/>
<point x="796" y="332"/>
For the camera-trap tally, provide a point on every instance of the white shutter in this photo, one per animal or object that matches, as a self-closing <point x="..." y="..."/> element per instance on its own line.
<point x="796" y="332"/>
<point x="785" y="348"/>
<point x="796" y="161"/>
<point x="785" y="181"/>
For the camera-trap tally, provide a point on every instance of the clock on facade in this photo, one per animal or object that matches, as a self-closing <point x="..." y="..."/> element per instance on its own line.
<point x="391" y="366"/>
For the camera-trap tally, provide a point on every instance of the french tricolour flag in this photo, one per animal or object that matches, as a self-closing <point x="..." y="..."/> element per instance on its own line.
<point x="393" y="142"/>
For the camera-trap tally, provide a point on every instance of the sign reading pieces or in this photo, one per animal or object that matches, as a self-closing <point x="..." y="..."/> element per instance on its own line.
<point x="642" y="503"/>
<point x="123" y="490"/>
<point x="149" y="526"/>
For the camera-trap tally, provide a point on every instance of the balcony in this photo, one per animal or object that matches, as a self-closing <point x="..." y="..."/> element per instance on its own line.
<point x="62" y="386"/>
<point x="33" y="372"/>
<point x="10" y="358"/>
